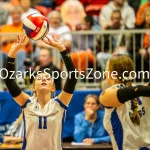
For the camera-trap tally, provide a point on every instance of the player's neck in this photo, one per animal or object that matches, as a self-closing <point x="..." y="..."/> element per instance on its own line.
<point x="114" y="82"/>
<point x="43" y="99"/>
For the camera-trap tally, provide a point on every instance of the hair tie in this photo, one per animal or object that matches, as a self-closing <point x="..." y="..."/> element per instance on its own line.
<point x="127" y="79"/>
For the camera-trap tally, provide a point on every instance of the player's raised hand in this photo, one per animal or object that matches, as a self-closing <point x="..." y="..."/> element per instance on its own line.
<point x="20" y="42"/>
<point x="54" y="43"/>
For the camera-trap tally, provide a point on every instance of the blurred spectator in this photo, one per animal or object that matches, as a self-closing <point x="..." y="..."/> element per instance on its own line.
<point x="85" y="41"/>
<point x="46" y="61"/>
<point x="88" y="125"/>
<point x="83" y="47"/>
<point x="3" y="15"/>
<point x="116" y="24"/>
<point x="27" y="10"/>
<point x="140" y="13"/>
<point x="83" y="59"/>
<point x="14" y="134"/>
<point x="127" y="12"/>
<point x="11" y="32"/>
<point x="72" y="13"/>
<point x="113" y="42"/>
<point x="89" y="23"/>
<point x="60" y="31"/>
<point x="134" y="4"/>
<point x="46" y="3"/>
<point x="142" y="44"/>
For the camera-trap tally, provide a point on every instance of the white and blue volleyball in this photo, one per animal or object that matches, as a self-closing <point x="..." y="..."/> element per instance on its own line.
<point x="36" y="26"/>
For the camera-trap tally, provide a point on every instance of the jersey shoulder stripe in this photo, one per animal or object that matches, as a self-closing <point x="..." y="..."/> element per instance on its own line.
<point x="60" y="103"/>
<point x="24" y="106"/>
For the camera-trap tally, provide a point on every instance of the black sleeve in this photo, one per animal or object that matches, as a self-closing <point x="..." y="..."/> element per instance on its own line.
<point x="10" y="81"/>
<point x="71" y="80"/>
<point x="129" y="93"/>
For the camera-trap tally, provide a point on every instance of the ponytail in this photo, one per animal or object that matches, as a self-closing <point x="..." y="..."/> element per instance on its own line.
<point x="135" y="118"/>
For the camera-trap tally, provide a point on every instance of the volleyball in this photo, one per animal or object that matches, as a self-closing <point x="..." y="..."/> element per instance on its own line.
<point x="35" y="26"/>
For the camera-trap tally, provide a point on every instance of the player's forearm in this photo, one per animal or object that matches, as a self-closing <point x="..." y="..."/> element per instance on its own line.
<point x="12" y="53"/>
<point x="129" y="93"/>
<point x="10" y="81"/>
<point x="71" y="80"/>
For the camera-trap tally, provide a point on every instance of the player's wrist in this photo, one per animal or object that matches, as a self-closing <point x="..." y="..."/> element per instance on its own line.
<point x="12" y="53"/>
<point x="61" y="48"/>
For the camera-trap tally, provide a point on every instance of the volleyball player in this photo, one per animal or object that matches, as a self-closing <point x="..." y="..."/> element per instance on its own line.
<point x="127" y="106"/>
<point x="43" y="116"/>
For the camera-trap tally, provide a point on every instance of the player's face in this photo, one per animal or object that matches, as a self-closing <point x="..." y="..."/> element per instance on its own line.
<point x="91" y="103"/>
<point x="44" y="83"/>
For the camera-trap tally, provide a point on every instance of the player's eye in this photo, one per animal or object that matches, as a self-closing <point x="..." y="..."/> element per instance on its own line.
<point x="39" y="77"/>
<point x="48" y="77"/>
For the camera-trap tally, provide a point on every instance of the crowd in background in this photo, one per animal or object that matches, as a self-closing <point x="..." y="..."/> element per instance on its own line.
<point x="85" y="15"/>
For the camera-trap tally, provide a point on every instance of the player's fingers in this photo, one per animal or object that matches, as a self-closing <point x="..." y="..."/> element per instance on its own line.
<point x="54" y="38"/>
<point x="27" y="40"/>
<point x="24" y="39"/>
<point x="50" y="41"/>
<point x="45" y="41"/>
<point x="18" y="38"/>
<point x="21" y="40"/>
<point x="15" y="41"/>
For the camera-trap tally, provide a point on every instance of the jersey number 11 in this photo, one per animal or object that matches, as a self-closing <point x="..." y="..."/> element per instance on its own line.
<point x="41" y="124"/>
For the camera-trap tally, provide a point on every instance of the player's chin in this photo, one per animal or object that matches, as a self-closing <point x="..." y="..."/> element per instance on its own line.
<point x="44" y="89"/>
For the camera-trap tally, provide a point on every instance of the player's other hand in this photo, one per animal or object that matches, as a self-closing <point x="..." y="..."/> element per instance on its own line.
<point x="54" y="43"/>
<point x="88" y="141"/>
<point x="19" y="43"/>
